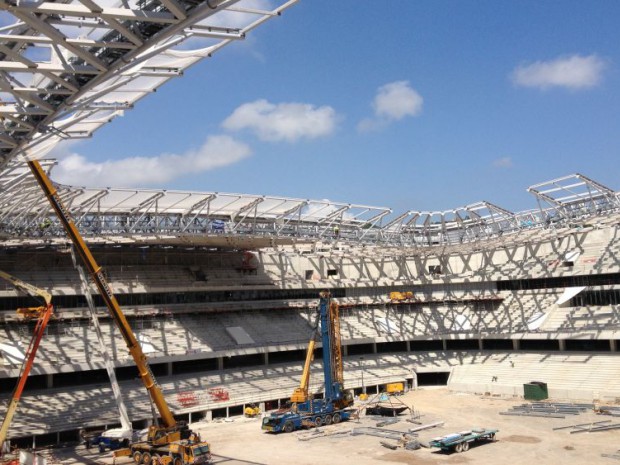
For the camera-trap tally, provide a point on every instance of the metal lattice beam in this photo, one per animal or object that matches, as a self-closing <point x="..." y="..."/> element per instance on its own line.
<point x="67" y="68"/>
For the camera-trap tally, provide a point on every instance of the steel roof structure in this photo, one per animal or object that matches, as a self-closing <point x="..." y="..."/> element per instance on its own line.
<point x="69" y="67"/>
<point x="163" y="217"/>
<point x="573" y="197"/>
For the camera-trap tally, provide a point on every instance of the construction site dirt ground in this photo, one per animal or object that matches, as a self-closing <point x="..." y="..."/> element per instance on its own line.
<point x="520" y="440"/>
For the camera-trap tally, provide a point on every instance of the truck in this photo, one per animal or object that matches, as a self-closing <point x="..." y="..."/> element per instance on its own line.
<point x="111" y="439"/>
<point x="189" y="450"/>
<point x="460" y="442"/>
<point x="304" y="410"/>
<point x="171" y="439"/>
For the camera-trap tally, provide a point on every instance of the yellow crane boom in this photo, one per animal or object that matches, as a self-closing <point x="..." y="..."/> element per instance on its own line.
<point x="106" y="293"/>
<point x="301" y="393"/>
<point x="32" y="290"/>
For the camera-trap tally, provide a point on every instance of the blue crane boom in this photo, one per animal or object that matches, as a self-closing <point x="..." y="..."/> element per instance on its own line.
<point x="306" y="411"/>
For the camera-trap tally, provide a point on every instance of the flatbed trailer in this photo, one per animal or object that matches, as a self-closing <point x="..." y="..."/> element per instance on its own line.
<point x="460" y="442"/>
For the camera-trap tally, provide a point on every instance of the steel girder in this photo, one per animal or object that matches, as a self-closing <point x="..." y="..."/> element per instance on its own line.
<point x="68" y="67"/>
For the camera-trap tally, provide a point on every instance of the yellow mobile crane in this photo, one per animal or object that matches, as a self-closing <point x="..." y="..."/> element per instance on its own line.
<point x="42" y="314"/>
<point x="172" y="441"/>
<point x="301" y="394"/>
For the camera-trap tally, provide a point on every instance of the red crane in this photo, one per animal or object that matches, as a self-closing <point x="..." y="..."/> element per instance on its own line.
<point x="42" y="314"/>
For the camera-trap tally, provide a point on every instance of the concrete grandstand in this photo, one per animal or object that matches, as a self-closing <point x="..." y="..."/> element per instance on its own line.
<point x="221" y="291"/>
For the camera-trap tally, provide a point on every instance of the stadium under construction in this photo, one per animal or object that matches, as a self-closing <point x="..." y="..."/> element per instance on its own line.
<point x="220" y="289"/>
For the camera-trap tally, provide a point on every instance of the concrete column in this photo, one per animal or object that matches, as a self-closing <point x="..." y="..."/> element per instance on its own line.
<point x="345" y="351"/>
<point x="612" y="345"/>
<point x="169" y="369"/>
<point x="266" y="358"/>
<point x="516" y="344"/>
<point x="261" y="406"/>
<point x="562" y="343"/>
<point x="209" y="415"/>
<point x="220" y="363"/>
<point x="374" y="347"/>
<point x="408" y="346"/>
<point x="49" y="381"/>
<point x="480" y="344"/>
<point x="445" y="344"/>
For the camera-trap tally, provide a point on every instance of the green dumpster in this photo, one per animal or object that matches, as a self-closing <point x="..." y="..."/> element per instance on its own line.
<point x="535" y="390"/>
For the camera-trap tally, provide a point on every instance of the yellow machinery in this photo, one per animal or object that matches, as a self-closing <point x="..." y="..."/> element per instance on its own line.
<point x="301" y="393"/>
<point x="251" y="410"/>
<point x="401" y="296"/>
<point x="395" y="388"/>
<point x="160" y="438"/>
<point x="43" y="315"/>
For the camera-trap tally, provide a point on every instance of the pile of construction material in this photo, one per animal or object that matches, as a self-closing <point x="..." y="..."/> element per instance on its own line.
<point x="548" y="409"/>
<point x="404" y="439"/>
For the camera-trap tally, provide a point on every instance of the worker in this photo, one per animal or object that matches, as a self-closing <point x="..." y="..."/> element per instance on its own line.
<point x="336" y="231"/>
<point x="46" y="223"/>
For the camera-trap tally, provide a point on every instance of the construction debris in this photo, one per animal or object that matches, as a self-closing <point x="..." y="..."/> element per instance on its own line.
<point x="389" y="445"/>
<point x="394" y="434"/>
<point x="413" y="444"/>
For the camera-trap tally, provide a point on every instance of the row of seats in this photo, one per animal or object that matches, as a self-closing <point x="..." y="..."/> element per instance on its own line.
<point x="568" y="376"/>
<point x="176" y="335"/>
<point x="589" y="376"/>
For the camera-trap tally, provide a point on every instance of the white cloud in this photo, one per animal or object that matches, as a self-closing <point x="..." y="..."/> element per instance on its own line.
<point x="504" y="162"/>
<point x="393" y="102"/>
<point x="573" y="72"/>
<point x="217" y="151"/>
<point x="284" y="121"/>
<point x="396" y="100"/>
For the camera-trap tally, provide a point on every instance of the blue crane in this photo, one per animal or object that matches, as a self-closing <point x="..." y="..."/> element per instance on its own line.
<point x="333" y="408"/>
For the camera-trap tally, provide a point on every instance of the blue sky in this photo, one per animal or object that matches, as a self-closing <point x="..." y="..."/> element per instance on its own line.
<point x="423" y="105"/>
